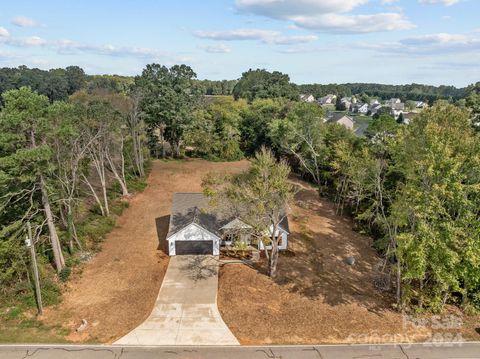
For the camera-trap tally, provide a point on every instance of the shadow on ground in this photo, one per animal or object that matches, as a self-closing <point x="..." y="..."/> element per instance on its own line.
<point x="199" y="267"/>
<point x="162" y="231"/>
<point x="315" y="265"/>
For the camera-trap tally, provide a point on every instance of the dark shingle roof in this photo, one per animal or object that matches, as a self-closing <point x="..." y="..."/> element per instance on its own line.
<point x="335" y="116"/>
<point x="188" y="208"/>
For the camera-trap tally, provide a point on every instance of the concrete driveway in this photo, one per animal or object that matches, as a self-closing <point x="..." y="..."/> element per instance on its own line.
<point x="185" y="312"/>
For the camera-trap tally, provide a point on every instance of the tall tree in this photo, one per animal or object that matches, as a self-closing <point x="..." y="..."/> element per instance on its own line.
<point x="263" y="84"/>
<point x="261" y="196"/>
<point x="302" y="134"/>
<point x="169" y="99"/>
<point x="437" y="207"/>
<point x="26" y="160"/>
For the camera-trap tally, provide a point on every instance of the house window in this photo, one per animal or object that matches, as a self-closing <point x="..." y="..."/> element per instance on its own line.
<point x="228" y="238"/>
<point x="280" y="241"/>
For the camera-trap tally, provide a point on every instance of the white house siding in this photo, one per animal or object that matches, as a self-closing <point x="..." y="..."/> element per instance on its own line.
<point x="193" y="232"/>
<point x="283" y="243"/>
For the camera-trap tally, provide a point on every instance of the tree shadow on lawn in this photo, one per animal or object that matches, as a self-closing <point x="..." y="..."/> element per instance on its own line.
<point x="315" y="265"/>
<point x="199" y="267"/>
<point x="162" y="224"/>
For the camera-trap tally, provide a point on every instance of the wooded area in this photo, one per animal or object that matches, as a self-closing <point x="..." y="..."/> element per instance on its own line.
<point x="70" y="143"/>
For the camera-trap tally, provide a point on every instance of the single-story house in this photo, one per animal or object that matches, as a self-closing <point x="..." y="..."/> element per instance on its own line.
<point x="197" y="228"/>
<point x="307" y="98"/>
<point x="408" y="116"/>
<point x="360" y="108"/>
<point x="342" y="119"/>
<point x="374" y="109"/>
<point x="327" y="100"/>
<point x="421" y="104"/>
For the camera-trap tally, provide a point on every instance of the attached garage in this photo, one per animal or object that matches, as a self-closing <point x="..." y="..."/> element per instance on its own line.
<point x="193" y="247"/>
<point x="193" y="239"/>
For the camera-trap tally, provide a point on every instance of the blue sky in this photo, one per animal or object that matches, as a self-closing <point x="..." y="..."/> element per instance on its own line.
<point x="314" y="41"/>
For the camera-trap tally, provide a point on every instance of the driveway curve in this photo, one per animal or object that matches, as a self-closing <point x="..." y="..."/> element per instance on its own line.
<point x="185" y="312"/>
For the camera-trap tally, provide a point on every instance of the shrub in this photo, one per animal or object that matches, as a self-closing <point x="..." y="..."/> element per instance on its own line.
<point x="65" y="274"/>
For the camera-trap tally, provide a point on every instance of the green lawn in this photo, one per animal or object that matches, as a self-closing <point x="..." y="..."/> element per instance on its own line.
<point x="19" y="327"/>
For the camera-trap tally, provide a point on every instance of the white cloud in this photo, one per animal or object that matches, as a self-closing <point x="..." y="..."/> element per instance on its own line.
<point x="443" y="2"/>
<point x="355" y="23"/>
<point x="24" y="21"/>
<point x="216" y="48"/>
<point x="72" y="47"/>
<point x="240" y="34"/>
<point x="296" y="50"/>
<point x="4" y="32"/>
<point x="265" y="36"/>
<point x="6" y="55"/>
<point x="284" y="9"/>
<point x="326" y="15"/>
<point x="387" y="2"/>
<point x="441" y="43"/>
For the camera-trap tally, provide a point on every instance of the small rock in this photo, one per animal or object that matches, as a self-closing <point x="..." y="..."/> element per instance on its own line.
<point x="350" y="261"/>
<point x="82" y="326"/>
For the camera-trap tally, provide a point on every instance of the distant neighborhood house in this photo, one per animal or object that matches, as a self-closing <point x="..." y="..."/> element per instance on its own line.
<point x="197" y="228"/>
<point x="341" y="119"/>
<point x="307" y="98"/>
<point x="360" y="108"/>
<point x="350" y="109"/>
<point x="327" y="100"/>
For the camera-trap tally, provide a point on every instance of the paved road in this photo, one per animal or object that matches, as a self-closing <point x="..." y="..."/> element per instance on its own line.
<point x="452" y="351"/>
<point x="185" y="312"/>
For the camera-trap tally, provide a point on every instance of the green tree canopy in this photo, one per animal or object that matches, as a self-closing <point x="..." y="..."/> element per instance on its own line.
<point x="264" y="84"/>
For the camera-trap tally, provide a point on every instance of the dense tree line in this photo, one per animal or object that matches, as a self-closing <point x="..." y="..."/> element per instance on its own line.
<point x="216" y="88"/>
<point x="61" y="164"/>
<point x="415" y="188"/>
<point x="405" y="92"/>
<point x="58" y="84"/>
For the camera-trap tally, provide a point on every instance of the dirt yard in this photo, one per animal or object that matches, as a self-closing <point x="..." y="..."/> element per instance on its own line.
<point x="118" y="287"/>
<point x="317" y="297"/>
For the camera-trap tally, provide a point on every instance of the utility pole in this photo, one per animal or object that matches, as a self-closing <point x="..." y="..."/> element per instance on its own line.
<point x="31" y="245"/>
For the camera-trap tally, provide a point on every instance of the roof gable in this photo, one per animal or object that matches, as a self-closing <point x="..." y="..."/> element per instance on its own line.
<point x="194" y="208"/>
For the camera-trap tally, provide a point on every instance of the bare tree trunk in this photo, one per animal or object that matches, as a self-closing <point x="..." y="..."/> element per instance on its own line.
<point x="141" y="160"/>
<point x="72" y="231"/>
<point x="138" y="153"/>
<point x="105" y="198"/>
<point x="57" y="250"/>
<point x="122" y="156"/>
<point x="176" y="148"/>
<point x="399" y="283"/>
<point x="272" y="268"/>
<point x="99" y="164"/>
<point x="120" y="180"/>
<point x="55" y="241"/>
<point x="97" y="199"/>
<point x="161" y="138"/>
<point x="136" y="127"/>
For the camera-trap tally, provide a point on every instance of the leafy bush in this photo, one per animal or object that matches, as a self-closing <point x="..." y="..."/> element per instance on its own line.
<point x="65" y="274"/>
<point x="95" y="228"/>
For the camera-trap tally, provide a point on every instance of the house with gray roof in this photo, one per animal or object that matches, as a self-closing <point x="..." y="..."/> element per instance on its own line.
<point x="341" y="119"/>
<point x="307" y="98"/>
<point x="197" y="228"/>
<point x="327" y="100"/>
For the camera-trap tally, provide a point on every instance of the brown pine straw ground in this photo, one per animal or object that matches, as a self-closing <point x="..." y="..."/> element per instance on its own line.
<point x="317" y="297"/>
<point x="117" y="289"/>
